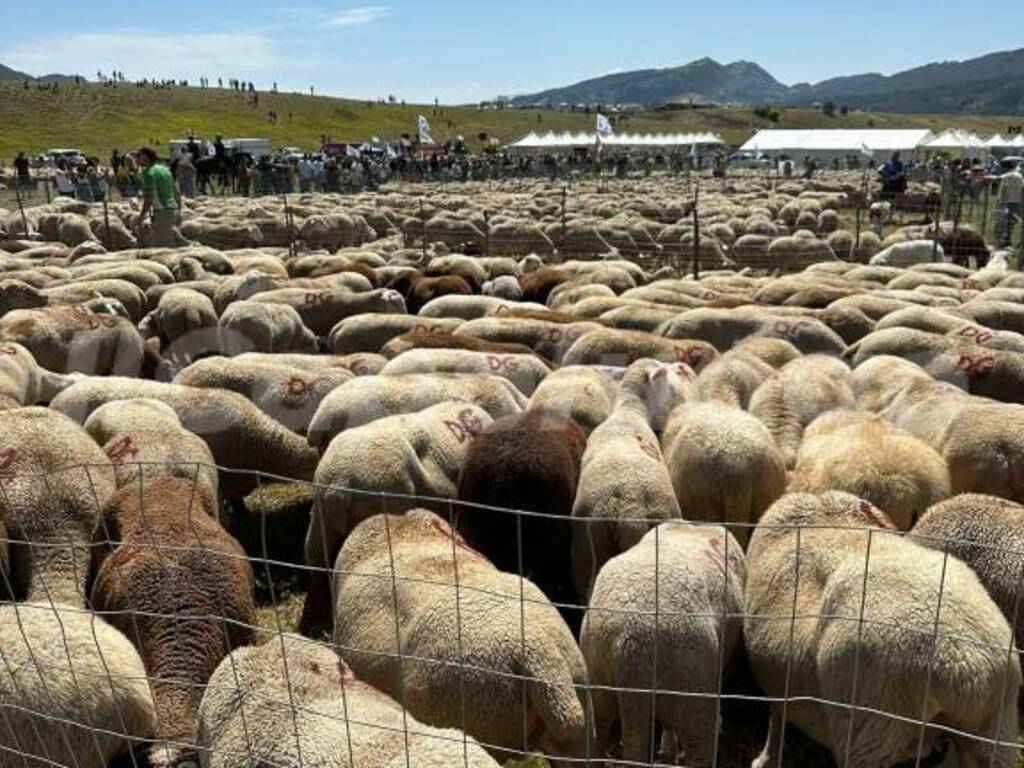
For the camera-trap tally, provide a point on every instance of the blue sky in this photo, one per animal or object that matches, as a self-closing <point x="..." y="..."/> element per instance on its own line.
<point x="462" y="50"/>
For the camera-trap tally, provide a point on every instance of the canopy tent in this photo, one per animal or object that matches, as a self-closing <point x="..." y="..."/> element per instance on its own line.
<point x="552" y="140"/>
<point x="829" y="144"/>
<point x="956" y="141"/>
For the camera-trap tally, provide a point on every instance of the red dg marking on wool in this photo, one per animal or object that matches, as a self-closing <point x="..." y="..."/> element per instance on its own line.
<point x="976" y="366"/>
<point x="466" y="426"/>
<point x="715" y="553"/>
<point x="975" y="334"/>
<point x="122" y="450"/>
<point x="502" y="364"/>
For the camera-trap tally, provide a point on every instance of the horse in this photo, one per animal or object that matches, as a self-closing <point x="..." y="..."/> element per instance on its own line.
<point x="213" y="166"/>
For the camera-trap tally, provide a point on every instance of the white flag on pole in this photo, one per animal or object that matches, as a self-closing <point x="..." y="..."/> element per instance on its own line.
<point x="604" y="127"/>
<point x="423" y="130"/>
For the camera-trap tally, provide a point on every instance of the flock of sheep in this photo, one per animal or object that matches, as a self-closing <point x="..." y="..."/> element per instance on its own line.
<point x="794" y="481"/>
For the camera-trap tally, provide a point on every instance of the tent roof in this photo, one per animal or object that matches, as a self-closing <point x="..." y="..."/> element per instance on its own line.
<point x="552" y="140"/>
<point x="837" y="140"/>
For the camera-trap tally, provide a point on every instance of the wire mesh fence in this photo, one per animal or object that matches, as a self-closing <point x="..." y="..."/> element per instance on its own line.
<point x="842" y="639"/>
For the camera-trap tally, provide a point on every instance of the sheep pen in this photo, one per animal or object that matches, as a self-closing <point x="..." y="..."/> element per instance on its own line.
<point x="501" y="474"/>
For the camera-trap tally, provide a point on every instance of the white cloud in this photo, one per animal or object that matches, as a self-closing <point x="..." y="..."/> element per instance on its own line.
<point x="359" y="16"/>
<point x="146" y="53"/>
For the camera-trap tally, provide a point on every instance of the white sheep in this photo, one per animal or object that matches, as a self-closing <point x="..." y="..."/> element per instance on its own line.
<point x="679" y="589"/>
<point x="73" y="689"/>
<point x="411" y="583"/>
<point x="908" y="253"/>
<point x="290" y="702"/>
<point x="807" y="640"/>
<point x="525" y="371"/>
<point x="409" y="455"/>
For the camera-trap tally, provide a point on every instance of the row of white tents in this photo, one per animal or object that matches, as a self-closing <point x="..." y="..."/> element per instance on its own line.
<point x="828" y="144"/>
<point x="552" y="140"/>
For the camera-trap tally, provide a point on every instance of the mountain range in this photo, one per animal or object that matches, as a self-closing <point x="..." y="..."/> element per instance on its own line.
<point x="991" y="84"/>
<point x="8" y="74"/>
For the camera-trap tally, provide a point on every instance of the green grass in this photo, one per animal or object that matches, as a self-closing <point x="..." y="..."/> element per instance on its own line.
<point x="96" y="119"/>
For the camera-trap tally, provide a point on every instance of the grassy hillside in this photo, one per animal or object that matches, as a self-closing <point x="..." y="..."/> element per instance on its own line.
<point x="97" y="119"/>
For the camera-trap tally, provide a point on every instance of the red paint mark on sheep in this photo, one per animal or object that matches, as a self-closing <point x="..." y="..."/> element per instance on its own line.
<point x="975" y="334"/>
<point x="7" y="458"/>
<point x="299" y="387"/>
<point x="466" y="427"/>
<point x="452" y="535"/>
<point x="976" y="366"/>
<point x="689" y="354"/>
<point x="716" y="554"/>
<point x="502" y="364"/>
<point x="313" y="298"/>
<point x="786" y="327"/>
<point x="9" y="351"/>
<point x="970" y="285"/>
<point x="875" y="516"/>
<point x="648" y="446"/>
<point x="122" y="450"/>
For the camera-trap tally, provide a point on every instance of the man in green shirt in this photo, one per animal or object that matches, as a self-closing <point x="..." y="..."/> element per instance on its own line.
<point x="160" y="196"/>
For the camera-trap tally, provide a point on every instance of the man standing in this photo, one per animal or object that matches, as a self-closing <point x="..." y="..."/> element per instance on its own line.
<point x="161" y="197"/>
<point x="1011" y="198"/>
<point x="21" y="165"/>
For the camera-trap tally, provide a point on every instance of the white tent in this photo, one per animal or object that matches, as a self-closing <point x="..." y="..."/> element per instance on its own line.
<point x="829" y="144"/>
<point x="956" y="141"/>
<point x="551" y="140"/>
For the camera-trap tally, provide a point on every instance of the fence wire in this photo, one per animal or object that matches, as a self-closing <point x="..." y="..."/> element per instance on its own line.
<point x="59" y="708"/>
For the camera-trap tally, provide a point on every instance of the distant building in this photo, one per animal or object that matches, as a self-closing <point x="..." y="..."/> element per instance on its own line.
<point x="686" y="104"/>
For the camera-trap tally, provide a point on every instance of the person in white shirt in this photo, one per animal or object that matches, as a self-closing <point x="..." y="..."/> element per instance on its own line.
<point x="1011" y="202"/>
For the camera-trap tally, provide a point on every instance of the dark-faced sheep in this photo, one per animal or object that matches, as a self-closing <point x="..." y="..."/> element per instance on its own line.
<point x="462" y="636"/>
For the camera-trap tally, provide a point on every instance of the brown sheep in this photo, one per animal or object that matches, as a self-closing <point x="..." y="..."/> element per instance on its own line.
<point x="529" y="462"/>
<point x="178" y="585"/>
<point x="537" y="286"/>
<point x="418" y="289"/>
